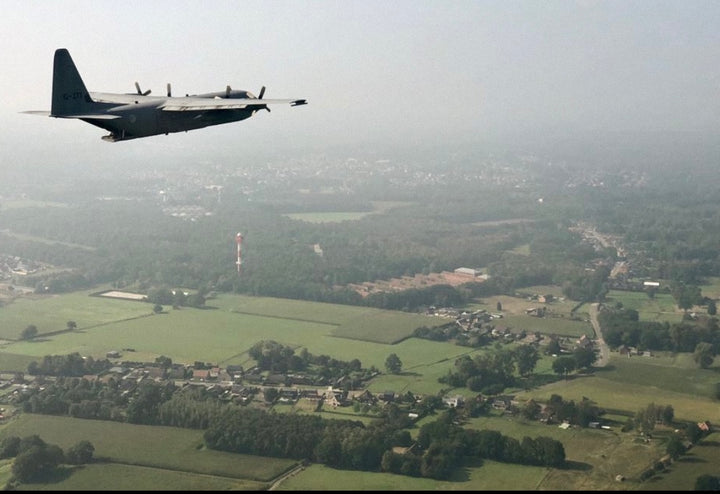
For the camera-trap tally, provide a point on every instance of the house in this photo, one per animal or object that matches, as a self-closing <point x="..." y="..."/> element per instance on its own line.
<point x="200" y="374"/>
<point x="387" y="396"/>
<point x="275" y="380"/>
<point x="456" y="401"/>
<point x="366" y="397"/>
<point x="310" y="394"/>
<point x="584" y="342"/>
<point x="333" y="397"/>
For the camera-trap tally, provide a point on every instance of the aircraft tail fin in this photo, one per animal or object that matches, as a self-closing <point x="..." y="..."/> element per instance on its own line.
<point x="69" y="94"/>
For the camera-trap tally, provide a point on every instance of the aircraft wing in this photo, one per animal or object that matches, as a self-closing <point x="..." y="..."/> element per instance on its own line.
<point x="209" y="104"/>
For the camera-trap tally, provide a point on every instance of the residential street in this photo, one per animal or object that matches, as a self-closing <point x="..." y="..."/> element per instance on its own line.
<point x="604" y="356"/>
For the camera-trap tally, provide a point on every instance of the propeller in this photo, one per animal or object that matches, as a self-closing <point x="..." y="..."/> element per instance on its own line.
<point x="262" y="93"/>
<point x="169" y="92"/>
<point x="137" y="86"/>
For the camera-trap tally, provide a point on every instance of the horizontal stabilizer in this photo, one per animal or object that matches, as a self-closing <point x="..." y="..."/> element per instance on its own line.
<point x="91" y="116"/>
<point x="37" y="112"/>
<point x="94" y="116"/>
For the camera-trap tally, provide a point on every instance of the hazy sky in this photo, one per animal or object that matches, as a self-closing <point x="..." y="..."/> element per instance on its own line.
<point x="403" y="70"/>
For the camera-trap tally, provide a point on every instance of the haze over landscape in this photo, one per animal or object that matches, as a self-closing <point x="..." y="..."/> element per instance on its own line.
<point x="373" y="72"/>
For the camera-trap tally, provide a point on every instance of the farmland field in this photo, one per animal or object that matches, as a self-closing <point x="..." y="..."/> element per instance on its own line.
<point x="221" y="335"/>
<point x="660" y="308"/>
<point x="52" y="312"/>
<point x="558" y="321"/>
<point x="151" y="446"/>
<point x="119" y="477"/>
<point x="489" y="476"/>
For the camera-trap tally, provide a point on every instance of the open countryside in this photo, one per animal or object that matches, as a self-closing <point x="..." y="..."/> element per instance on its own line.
<point x="224" y="333"/>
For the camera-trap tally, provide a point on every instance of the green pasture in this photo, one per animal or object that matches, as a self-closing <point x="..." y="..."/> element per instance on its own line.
<point x="631" y="388"/>
<point x="711" y="289"/>
<point x="169" y="448"/>
<point x="560" y="326"/>
<point x="701" y="459"/>
<point x="595" y="456"/>
<point x="290" y="309"/>
<point x="185" y="335"/>
<point x="328" y="217"/>
<point x="559" y="319"/>
<point x="119" y="477"/>
<point x="660" y="308"/>
<point x="10" y="362"/>
<point x="671" y="372"/>
<point x="489" y="475"/>
<point x="51" y="313"/>
<point x="361" y="323"/>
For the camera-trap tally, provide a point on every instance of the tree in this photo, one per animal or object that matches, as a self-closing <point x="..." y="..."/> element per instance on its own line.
<point x="157" y="309"/>
<point x="584" y="357"/>
<point x="711" y="308"/>
<point x="707" y="482"/>
<point x="526" y="357"/>
<point x="36" y="461"/>
<point x="553" y="347"/>
<point x="675" y="447"/>
<point x="9" y="447"/>
<point x="704" y="355"/>
<point x="80" y="453"/>
<point x="270" y="394"/>
<point x="393" y="364"/>
<point x="564" y="365"/>
<point x="499" y="306"/>
<point x="530" y="410"/>
<point x="29" y="332"/>
<point x="71" y="325"/>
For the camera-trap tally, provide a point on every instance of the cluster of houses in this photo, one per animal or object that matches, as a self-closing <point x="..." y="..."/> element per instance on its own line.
<point x="11" y="266"/>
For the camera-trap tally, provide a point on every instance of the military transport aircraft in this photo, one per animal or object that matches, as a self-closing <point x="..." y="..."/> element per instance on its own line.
<point x="132" y="115"/>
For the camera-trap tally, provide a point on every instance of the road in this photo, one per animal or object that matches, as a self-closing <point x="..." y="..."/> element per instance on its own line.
<point x="604" y="356"/>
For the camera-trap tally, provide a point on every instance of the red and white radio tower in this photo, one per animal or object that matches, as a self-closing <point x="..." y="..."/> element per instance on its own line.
<point x="238" y="239"/>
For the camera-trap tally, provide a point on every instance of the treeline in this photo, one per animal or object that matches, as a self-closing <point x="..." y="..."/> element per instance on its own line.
<point x="440" y="447"/>
<point x="35" y="460"/>
<point x="492" y="371"/>
<point x="71" y="365"/>
<point x="558" y="409"/>
<point x="622" y="327"/>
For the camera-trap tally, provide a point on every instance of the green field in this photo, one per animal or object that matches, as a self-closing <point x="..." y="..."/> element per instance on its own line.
<point x="560" y="320"/>
<point x="701" y="459"/>
<point x="119" y="477"/>
<point x="167" y="448"/>
<point x="52" y="312"/>
<point x="222" y="335"/>
<point x="631" y="384"/>
<point x="489" y="476"/>
<point x="660" y="308"/>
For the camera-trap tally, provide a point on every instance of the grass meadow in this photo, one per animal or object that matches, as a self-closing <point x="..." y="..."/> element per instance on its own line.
<point x="119" y="477"/>
<point x="51" y="313"/>
<point x="680" y="476"/>
<point x="168" y="448"/>
<point x="488" y="476"/>
<point x="660" y="308"/>
<point x="558" y="321"/>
